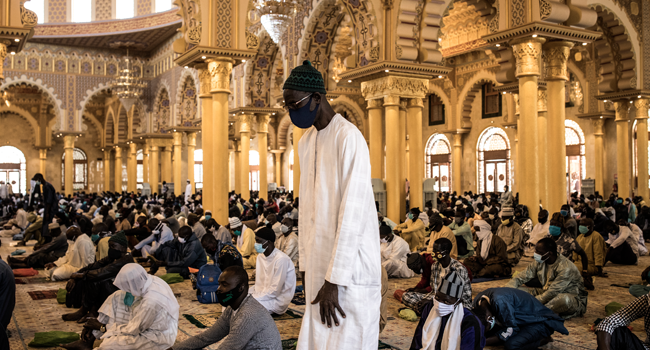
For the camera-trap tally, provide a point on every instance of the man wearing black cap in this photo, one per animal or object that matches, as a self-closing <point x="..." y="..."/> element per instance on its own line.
<point x="275" y="276"/>
<point x="339" y="249"/>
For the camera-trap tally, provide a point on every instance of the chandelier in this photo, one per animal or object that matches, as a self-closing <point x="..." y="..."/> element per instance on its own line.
<point x="128" y="86"/>
<point x="276" y="15"/>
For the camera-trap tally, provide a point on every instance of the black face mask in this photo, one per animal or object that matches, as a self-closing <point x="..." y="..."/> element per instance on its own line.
<point x="228" y="298"/>
<point x="542" y="220"/>
<point x="114" y="253"/>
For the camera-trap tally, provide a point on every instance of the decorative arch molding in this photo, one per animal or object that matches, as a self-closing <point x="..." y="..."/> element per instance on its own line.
<point x="258" y="73"/>
<point x="186" y="74"/>
<point x="469" y="92"/>
<point x="418" y="29"/>
<point x="28" y="117"/>
<point x="91" y="93"/>
<point x="109" y="127"/>
<point x="438" y="91"/>
<point x="99" y="129"/>
<point x="620" y="45"/>
<point x="283" y="131"/>
<point x="58" y="104"/>
<point x="584" y="85"/>
<point x="355" y="114"/>
<point x="162" y="89"/>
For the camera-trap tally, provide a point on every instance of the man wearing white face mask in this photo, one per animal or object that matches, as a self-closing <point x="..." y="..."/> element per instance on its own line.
<point x="288" y="242"/>
<point x="394" y="253"/>
<point x="446" y="324"/>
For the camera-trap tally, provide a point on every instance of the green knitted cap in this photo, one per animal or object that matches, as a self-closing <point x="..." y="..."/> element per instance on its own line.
<point x="305" y="78"/>
<point x="120" y="238"/>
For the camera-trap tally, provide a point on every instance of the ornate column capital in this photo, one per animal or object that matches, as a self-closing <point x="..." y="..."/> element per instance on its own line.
<point x="542" y="100"/>
<point x="263" y="123"/>
<point x="375" y="103"/>
<point x="557" y="54"/>
<point x="68" y="141"/>
<point x="3" y="55"/>
<point x="220" y="70"/>
<point x="204" y="80"/>
<point x="458" y="138"/>
<point x="642" y="106"/>
<point x="391" y="100"/>
<point x="118" y="152"/>
<point x="415" y="103"/>
<point x="598" y="126"/>
<point x="191" y="139"/>
<point x="245" y="121"/>
<point x="390" y="85"/>
<point x="528" y="52"/>
<point x="622" y="108"/>
<point x="178" y="138"/>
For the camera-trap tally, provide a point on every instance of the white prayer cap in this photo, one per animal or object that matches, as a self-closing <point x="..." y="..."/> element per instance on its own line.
<point x="234" y="222"/>
<point x="63" y="202"/>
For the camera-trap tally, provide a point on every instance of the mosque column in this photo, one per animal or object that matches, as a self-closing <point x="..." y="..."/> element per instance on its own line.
<point x="42" y="156"/>
<point x="623" y="148"/>
<point x="376" y="137"/>
<point x="599" y="153"/>
<point x="528" y="52"/>
<point x="191" y="147"/>
<point x="542" y="144"/>
<point x="118" y="169"/>
<point x="133" y="167"/>
<point x="403" y="163"/>
<point x="207" y="125"/>
<point x="642" y="105"/>
<point x="297" y="134"/>
<point x="456" y="162"/>
<point x="68" y="147"/>
<point x="416" y="161"/>
<point x="277" y="155"/>
<point x="145" y="163"/>
<point x="245" y="134"/>
<point x="178" y="160"/>
<point x="107" y="170"/>
<point x="262" y="147"/>
<point x="237" y="160"/>
<point x="391" y="112"/>
<point x="220" y="70"/>
<point x="166" y="164"/>
<point x="557" y="53"/>
<point x="154" y="164"/>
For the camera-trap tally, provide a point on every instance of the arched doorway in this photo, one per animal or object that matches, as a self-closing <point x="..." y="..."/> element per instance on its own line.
<point x="198" y="169"/>
<point x="80" y="170"/>
<point x="13" y="167"/>
<point x="575" y="155"/>
<point x="254" y="170"/>
<point x="494" y="164"/>
<point x="438" y="161"/>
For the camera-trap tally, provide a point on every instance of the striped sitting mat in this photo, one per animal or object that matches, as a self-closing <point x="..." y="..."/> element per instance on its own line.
<point x="291" y="344"/>
<point x="32" y="280"/>
<point x="209" y="319"/>
<point x="43" y="294"/>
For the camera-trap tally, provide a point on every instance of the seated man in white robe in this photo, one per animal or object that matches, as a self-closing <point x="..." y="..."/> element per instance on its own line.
<point x="142" y="315"/>
<point x="288" y="242"/>
<point x="275" y="275"/>
<point x="394" y="252"/>
<point x="160" y="233"/>
<point x="245" y="242"/>
<point x="80" y="255"/>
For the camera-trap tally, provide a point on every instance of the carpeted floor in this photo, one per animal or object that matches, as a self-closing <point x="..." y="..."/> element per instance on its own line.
<point x="31" y="316"/>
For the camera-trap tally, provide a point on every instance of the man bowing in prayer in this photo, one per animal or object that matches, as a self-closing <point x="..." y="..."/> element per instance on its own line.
<point x="338" y="245"/>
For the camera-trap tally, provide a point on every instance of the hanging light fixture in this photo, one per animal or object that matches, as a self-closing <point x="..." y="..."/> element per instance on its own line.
<point x="276" y="15"/>
<point x="128" y="86"/>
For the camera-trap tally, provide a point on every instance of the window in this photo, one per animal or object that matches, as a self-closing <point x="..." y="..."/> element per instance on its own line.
<point x="81" y="11"/>
<point x="80" y="170"/>
<point x="198" y="168"/>
<point x="163" y="5"/>
<point x="254" y="171"/>
<point x="436" y="110"/>
<point x="139" y="169"/>
<point x="124" y="9"/>
<point x="438" y="159"/>
<point x="13" y="168"/>
<point x="38" y="6"/>
<point x="574" y="139"/>
<point x="494" y="169"/>
<point x="491" y="101"/>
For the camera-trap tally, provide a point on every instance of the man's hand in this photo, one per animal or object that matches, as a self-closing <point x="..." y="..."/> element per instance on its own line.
<point x="77" y="276"/>
<point x="161" y="263"/>
<point x="420" y="305"/>
<point x="328" y="298"/>
<point x="49" y="266"/>
<point x="93" y="324"/>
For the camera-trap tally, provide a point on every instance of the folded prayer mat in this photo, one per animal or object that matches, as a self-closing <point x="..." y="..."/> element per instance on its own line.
<point x="61" y="295"/>
<point x="54" y="338"/>
<point x="43" y="294"/>
<point x="172" y="278"/>
<point x="613" y="307"/>
<point x="25" y="272"/>
<point x="18" y="252"/>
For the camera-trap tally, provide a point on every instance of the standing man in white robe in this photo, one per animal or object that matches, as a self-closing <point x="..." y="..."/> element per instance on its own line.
<point x="394" y="253"/>
<point x="338" y="247"/>
<point x="79" y="255"/>
<point x="188" y="191"/>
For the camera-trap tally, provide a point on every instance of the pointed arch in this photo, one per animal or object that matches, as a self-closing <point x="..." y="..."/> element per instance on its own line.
<point x="187" y="106"/>
<point x="122" y="124"/>
<point x="162" y="112"/>
<point x="38" y="83"/>
<point x="36" y="129"/>
<point x="470" y="90"/>
<point x="110" y="127"/>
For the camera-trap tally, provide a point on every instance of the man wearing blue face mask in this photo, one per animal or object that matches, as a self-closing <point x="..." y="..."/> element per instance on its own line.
<point x="245" y="238"/>
<point x="554" y="280"/>
<point x="569" y="247"/>
<point x="569" y="222"/>
<point x="516" y="319"/>
<point x="339" y="249"/>
<point x="275" y="275"/>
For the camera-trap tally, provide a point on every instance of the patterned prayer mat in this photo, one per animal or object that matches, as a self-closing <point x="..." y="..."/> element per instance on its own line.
<point x="298" y="299"/>
<point x="291" y="344"/>
<point x="32" y="280"/>
<point x="43" y="294"/>
<point x="207" y="320"/>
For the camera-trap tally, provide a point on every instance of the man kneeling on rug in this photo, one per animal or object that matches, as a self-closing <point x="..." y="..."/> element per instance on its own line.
<point x="142" y="315"/>
<point x="92" y="285"/>
<point x="45" y="254"/>
<point x="492" y="257"/>
<point x="446" y="324"/>
<point x="244" y="323"/>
